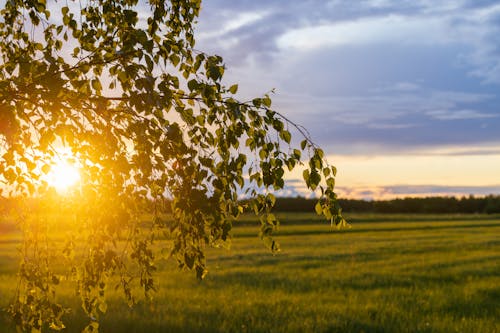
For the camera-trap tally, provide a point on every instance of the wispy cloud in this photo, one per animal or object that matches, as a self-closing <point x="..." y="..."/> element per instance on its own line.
<point x="303" y="26"/>
<point x="370" y="30"/>
<point x="400" y="87"/>
<point x="368" y="76"/>
<point x="393" y="105"/>
<point x="398" y="191"/>
<point x="460" y="114"/>
<point x="232" y="23"/>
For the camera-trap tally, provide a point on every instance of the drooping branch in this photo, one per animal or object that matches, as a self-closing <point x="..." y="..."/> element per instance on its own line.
<point x="165" y="129"/>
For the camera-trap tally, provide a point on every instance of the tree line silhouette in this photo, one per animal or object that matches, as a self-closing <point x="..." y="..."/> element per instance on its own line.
<point x="429" y="205"/>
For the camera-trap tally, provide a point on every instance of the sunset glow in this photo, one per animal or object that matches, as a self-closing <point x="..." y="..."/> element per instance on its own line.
<point x="63" y="175"/>
<point x="402" y="96"/>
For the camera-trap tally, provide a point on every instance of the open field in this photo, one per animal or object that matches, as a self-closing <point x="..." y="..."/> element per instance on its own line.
<point x="386" y="274"/>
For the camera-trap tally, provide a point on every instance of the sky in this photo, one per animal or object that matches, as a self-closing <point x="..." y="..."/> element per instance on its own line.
<point x="404" y="96"/>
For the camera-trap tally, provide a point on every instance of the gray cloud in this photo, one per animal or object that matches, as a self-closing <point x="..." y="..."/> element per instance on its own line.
<point x="295" y="187"/>
<point x="423" y="21"/>
<point x="460" y="114"/>
<point x="412" y="74"/>
<point x="388" y="192"/>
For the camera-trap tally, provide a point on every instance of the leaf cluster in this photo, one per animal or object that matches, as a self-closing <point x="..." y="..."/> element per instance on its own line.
<point x="147" y="117"/>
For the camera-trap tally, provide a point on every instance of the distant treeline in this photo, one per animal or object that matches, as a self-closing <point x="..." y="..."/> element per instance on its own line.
<point x="430" y="205"/>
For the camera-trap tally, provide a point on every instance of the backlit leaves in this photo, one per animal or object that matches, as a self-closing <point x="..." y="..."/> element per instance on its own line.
<point x="156" y="131"/>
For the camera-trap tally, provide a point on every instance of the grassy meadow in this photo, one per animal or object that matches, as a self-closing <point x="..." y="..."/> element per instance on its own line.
<point x="386" y="274"/>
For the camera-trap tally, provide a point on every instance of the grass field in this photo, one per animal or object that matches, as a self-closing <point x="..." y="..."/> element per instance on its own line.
<point x="386" y="274"/>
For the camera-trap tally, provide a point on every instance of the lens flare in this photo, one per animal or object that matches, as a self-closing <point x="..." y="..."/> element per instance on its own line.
<point x="63" y="175"/>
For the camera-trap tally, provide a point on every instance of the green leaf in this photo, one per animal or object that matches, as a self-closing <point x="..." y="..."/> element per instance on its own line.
<point x="318" y="208"/>
<point x="286" y="136"/>
<point x="192" y="85"/>
<point x="96" y="84"/>
<point x="314" y="178"/>
<point x="103" y="307"/>
<point x="233" y="89"/>
<point x="267" y="101"/>
<point x="175" y="59"/>
<point x="306" y="176"/>
<point x="263" y="154"/>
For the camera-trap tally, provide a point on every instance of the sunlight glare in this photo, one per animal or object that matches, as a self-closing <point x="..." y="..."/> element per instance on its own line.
<point x="63" y="175"/>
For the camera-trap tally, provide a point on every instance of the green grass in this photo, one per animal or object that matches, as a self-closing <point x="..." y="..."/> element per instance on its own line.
<point x="399" y="274"/>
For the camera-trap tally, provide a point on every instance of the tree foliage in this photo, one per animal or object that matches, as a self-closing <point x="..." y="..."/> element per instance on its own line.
<point x="146" y="117"/>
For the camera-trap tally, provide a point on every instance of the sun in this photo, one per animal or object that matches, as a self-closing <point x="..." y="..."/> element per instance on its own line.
<point x="63" y="175"/>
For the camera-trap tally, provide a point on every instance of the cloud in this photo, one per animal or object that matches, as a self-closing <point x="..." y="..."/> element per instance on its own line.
<point x="399" y="191"/>
<point x="232" y="23"/>
<point x="466" y="151"/>
<point x="375" y="78"/>
<point x="460" y="114"/>
<point x="404" y="86"/>
<point x="268" y="29"/>
<point x="480" y="28"/>
<point x="395" y="120"/>
<point x="387" y="108"/>
<point x="372" y="30"/>
<point x="295" y="187"/>
<point x="384" y="75"/>
<point x="475" y="30"/>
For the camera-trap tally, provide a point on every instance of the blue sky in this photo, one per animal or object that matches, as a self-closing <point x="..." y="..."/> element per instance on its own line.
<point x="376" y="81"/>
